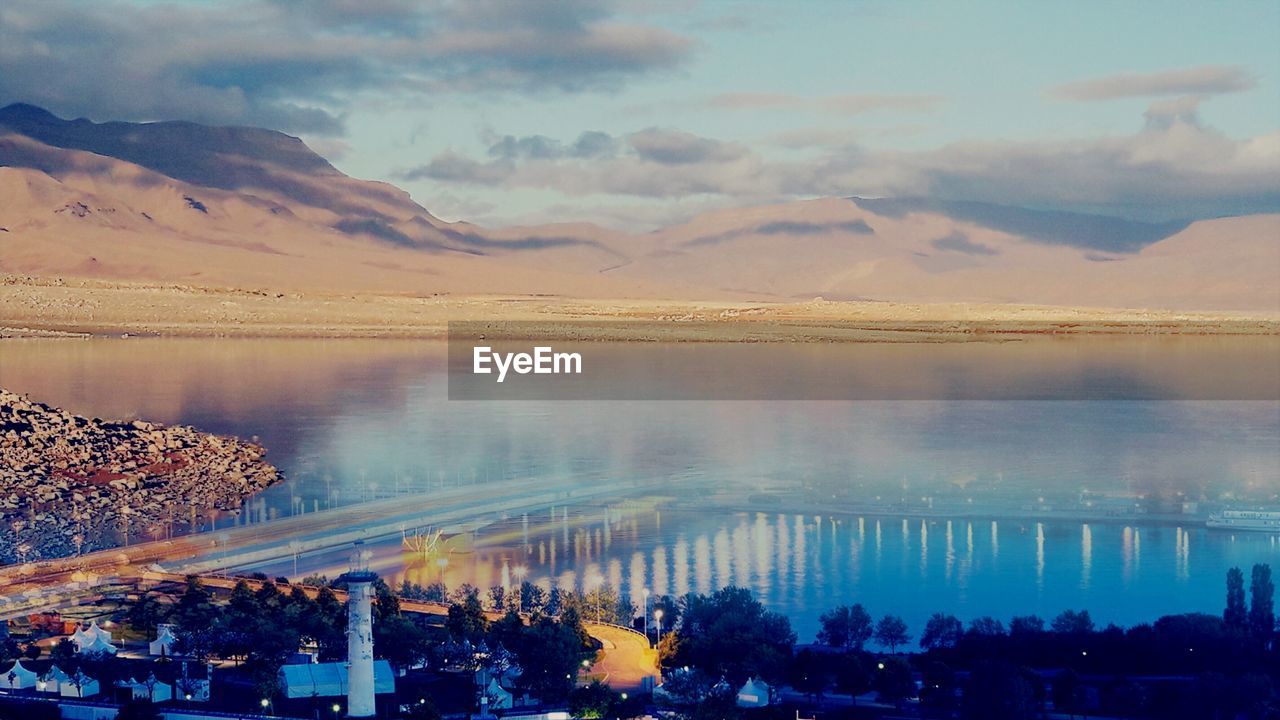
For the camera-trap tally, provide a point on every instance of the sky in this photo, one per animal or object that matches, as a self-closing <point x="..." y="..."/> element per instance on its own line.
<point x="640" y="114"/>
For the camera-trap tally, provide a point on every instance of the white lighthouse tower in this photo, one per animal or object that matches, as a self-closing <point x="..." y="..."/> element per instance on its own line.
<point x="360" y="690"/>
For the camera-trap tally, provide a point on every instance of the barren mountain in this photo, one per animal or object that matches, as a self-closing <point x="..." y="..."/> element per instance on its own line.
<point x="246" y="207"/>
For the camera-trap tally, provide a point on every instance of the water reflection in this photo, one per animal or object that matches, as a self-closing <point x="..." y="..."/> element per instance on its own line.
<point x="802" y="566"/>
<point x="353" y="420"/>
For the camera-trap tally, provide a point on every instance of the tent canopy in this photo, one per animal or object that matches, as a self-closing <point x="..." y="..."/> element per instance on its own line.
<point x="98" y="646"/>
<point x="17" y="677"/>
<point x="330" y="679"/>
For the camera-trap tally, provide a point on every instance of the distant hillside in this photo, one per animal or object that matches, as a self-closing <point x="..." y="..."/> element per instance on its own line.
<point x="246" y="207"/>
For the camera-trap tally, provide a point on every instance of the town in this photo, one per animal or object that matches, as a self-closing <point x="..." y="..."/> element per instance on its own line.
<point x="352" y="646"/>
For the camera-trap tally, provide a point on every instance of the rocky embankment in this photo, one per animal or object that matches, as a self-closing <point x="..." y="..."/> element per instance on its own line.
<point x="70" y="484"/>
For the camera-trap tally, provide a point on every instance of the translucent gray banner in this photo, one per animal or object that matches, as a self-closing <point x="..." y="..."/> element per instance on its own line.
<point x="534" y="361"/>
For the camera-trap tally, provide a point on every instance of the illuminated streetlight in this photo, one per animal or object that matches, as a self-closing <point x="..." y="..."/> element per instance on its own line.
<point x="646" y="614"/>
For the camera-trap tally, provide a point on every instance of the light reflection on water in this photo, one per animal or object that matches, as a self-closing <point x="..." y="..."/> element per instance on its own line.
<point x="348" y="420"/>
<point x="802" y="565"/>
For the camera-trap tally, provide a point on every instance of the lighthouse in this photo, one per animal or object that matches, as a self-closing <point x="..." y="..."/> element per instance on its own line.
<point x="360" y="688"/>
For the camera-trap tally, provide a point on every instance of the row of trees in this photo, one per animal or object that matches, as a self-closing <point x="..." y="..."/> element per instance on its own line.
<point x="602" y="604"/>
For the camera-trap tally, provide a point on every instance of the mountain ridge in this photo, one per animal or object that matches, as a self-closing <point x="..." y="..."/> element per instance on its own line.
<point x="236" y="206"/>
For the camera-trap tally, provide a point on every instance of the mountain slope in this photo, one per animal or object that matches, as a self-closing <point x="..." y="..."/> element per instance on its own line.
<point x="246" y="207"/>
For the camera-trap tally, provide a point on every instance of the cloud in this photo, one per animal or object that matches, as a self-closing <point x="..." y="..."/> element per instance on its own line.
<point x="836" y="104"/>
<point x="1202" y="80"/>
<point x="298" y="66"/>
<point x="1173" y="168"/>
<point x="654" y="162"/>
<point x="673" y="147"/>
<point x="589" y="144"/>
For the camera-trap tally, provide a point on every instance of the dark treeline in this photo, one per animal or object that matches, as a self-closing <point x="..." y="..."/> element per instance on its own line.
<point x="1179" y="667"/>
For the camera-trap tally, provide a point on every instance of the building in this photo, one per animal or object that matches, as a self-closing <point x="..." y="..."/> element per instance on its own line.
<point x="754" y="693"/>
<point x="361" y="690"/>
<point x="329" y="680"/>
<point x="18" y="677"/>
<point x="164" y="642"/>
<point x="150" y="688"/>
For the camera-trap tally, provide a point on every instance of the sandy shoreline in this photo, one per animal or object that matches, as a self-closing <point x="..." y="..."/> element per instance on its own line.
<point x="48" y="307"/>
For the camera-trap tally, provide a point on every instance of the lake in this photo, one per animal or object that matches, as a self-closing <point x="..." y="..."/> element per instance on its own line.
<point x="349" y="420"/>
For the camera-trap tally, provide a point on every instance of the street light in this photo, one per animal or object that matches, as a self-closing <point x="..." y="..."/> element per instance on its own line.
<point x="646" y="614"/>
<point x="657" y="615"/>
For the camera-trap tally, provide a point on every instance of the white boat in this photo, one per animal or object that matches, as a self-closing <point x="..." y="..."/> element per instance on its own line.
<point x="1255" y="520"/>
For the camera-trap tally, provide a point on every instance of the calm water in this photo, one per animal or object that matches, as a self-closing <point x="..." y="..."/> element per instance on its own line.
<point x="801" y="565"/>
<point x="348" y="420"/>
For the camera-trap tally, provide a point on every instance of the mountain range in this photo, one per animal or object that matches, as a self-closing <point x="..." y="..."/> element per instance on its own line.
<point x="253" y="208"/>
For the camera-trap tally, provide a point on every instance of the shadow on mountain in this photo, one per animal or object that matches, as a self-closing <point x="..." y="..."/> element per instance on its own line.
<point x="238" y="159"/>
<point x="1050" y="227"/>
<point x="786" y="227"/>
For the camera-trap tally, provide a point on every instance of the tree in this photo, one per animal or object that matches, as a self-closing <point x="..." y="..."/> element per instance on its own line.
<point x="195" y="608"/>
<point x="808" y="674"/>
<point x="498" y="597"/>
<point x="891" y="632"/>
<point x="1025" y="625"/>
<point x="1068" y="693"/>
<point x="998" y="691"/>
<point x="938" y="694"/>
<point x="1262" y="612"/>
<point x="847" y="626"/>
<point x="400" y="641"/>
<point x="1070" y="622"/>
<point x="941" y="631"/>
<point x="893" y="681"/>
<point x="466" y="619"/>
<point x="592" y="701"/>
<point x="145" y="614"/>
<point x="1236" y="614"/>
<point x="532" y="598"/>
<point x="852" y="676"/>
<point x="730" y="634"/>
<point x="550" y="654"/>
<point x="700" y="696"/>
<point x="63" y="652"/>
<point x="986" y="627"/>
<point x="670" y="608"/>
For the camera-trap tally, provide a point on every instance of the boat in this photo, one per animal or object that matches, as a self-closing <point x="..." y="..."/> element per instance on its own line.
<point x="1254" y="520"/>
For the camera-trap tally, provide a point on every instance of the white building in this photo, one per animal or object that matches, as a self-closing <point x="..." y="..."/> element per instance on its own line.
<point x="79" y="685"/>
<point x="753" y="693"/>
<point x="152" y="688"/>
<point x="330" y="679"/>
<point x="18" y="677"/>
<point x="163" y="644"/>
<point x="51" y="682"/>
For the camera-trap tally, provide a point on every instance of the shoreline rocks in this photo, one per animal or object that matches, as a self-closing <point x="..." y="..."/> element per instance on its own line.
<point x="71" y="484"/>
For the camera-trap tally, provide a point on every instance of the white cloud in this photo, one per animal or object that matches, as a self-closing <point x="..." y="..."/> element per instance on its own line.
<point x="1202" y="80"/>
<point x="1172" y="168"/>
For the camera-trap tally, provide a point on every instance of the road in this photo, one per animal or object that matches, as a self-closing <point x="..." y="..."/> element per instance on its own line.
<point x="35" y="586"/>
<point x="627" y="661"/>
